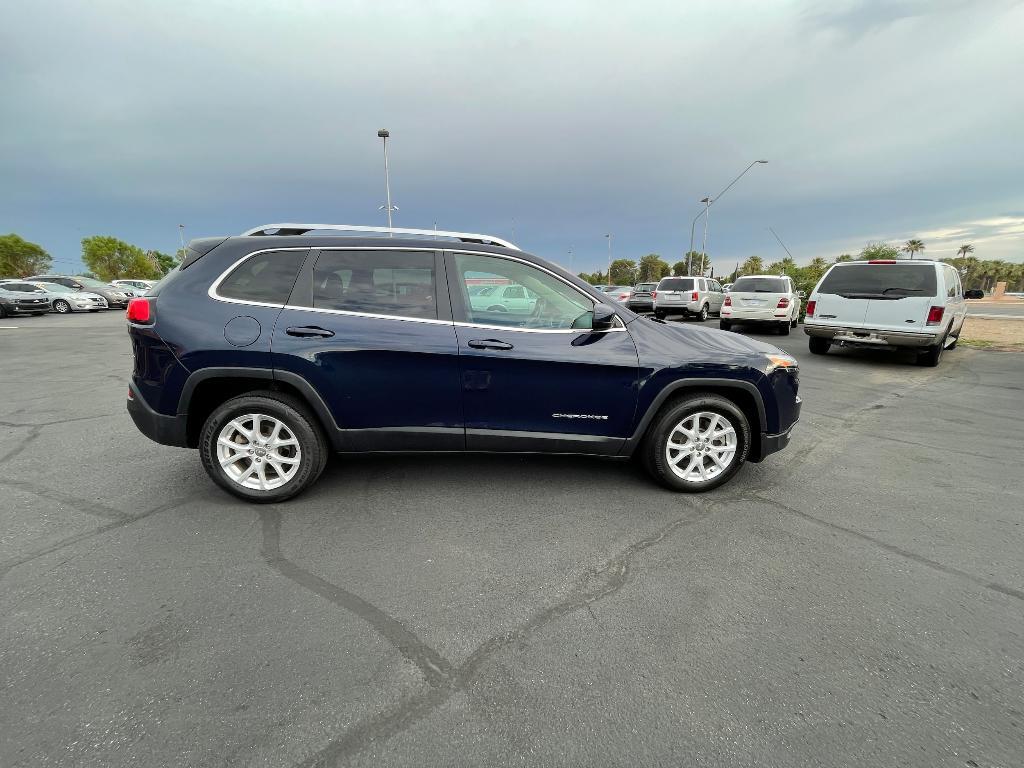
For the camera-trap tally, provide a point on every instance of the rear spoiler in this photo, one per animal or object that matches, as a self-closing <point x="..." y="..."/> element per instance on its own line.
<point x="198" y="248"/>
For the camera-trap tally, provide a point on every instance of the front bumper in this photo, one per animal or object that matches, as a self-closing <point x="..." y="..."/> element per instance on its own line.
<point x="26" y="309"/>
<point x="166" y="430"/>
<point x="871" y="337"/>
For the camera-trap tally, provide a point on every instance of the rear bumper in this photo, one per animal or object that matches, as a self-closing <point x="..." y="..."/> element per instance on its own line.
<point x="677" y="306"/>
<point x="871" y="337"/>
<point x="640" y="303"/>
<point x="743" y="314"/>
<point x="166" y="430"/>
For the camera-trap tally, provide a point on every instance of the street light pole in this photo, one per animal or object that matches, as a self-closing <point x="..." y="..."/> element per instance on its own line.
<point x="704" y="244"/>
<point x="609" y="258"/>
<point x="707" y="205"/>
<point x="570" y="258"/>
<point x="181" y="236"/>
<point x="384" y="134"/>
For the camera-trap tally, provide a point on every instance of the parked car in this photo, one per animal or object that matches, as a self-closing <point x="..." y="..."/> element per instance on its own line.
<point x="22" y="303"/>
<point x="885" y="304"/>
<point x="726" y="287"/>
<point x="762" y="299"/>
<point x="689" y="296"/>
<point x="640" y="298"/>
<point x="619" y="292"/>
<point x="116" y="298"/>
<point x="361" y="362"/>
<point x="64" y="299"/>
<point x="504" y="298"/>
<point x="137" y="287"/>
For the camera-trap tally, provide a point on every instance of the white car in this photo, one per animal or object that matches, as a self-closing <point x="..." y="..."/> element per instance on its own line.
<point x="64" y="300"/>
<point x="137" y="287"/>
<point x="762" y="299"/>
<point x="504" y="298"/>
<point x="620" y="293"/>
<point x="689" y="296"/>
<point x="887" y="304"/>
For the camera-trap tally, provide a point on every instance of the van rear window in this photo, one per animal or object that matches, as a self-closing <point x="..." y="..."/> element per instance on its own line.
<point x="879" y="280"/>
<point x="676" y="284"/>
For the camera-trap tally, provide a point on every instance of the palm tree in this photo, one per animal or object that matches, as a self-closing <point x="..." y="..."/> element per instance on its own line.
<point x="912" y="246"/>
<point x="965" y="249"/>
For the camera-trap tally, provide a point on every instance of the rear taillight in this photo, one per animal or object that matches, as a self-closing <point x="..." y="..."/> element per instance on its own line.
<point x="654" y="294"/>
<point x="694" y="297"/>
<point x="783" y="303"/>
<point x="727" y="302"/>
<point x="935" y="315"/>
<point x="810" y="308"/>
<point x="139" y="311"/>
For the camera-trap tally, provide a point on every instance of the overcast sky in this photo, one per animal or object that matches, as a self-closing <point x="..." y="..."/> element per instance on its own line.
<point x="560" y="120"/>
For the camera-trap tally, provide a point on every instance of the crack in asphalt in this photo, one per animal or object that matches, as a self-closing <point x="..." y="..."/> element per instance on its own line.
<point x="892" y="548"/>
<point x="56" y="421"/>
<point x="77" y="503"/>
<point x="7" y="565"/>
<point x="443" y="678"/>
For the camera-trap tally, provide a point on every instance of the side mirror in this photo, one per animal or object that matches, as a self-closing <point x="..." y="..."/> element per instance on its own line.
<point x="77" y="286"/>
<point x="604" y="317"/>
<point x="975" y="293"/>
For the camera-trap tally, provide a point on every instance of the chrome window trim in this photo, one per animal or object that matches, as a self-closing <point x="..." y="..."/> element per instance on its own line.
<point x="213" y="294"/>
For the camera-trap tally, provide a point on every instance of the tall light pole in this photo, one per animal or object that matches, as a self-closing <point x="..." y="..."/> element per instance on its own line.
<point x="708" y="205"/>
<point x="570" y="259"/>
<point x="704" y="243"/>
<point x="384" y="134"/>
<point x="609" y="258"/>
<point x="181" y="236"/>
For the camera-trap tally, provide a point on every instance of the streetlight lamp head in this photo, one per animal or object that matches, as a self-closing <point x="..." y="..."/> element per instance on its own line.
<point x="706" y="200"/>
<point x="383" y="133"/>
<point x="762" y="161"/>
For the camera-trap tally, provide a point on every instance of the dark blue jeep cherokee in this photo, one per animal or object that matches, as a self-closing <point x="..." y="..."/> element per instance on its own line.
<point x="268" y="350"/>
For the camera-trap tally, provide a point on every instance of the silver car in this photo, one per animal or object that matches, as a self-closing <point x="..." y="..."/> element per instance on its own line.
<point x="64" y="299"/>
<point x="689" y="296"/>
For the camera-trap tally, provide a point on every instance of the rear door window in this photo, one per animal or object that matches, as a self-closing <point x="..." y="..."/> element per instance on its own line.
<point x="760" y="285"/>
<point x="265" y="278"/>
<point x="676" y="284"/>
<point x="391" y="283"/>
<point x="867" y="281"/>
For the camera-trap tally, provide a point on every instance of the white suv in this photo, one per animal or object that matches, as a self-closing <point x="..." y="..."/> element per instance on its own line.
<point x="762" y="299"/>
<point x="688" y="296"/>
<point x="888" y="303"/>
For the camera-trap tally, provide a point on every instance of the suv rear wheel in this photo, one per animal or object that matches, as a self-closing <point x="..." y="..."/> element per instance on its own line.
<point x="818" y="345"/>
<point x="698" y="443"/>
<point x="262" y="447"/>
<point x="703" y="313"/>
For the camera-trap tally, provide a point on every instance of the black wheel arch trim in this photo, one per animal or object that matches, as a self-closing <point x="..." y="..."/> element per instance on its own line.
<point x="696" y="383"/>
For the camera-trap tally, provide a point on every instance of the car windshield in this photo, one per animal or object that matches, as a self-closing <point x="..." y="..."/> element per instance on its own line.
<point x="88" y="282"/>
<point x="676" y="284"/>
<point x="54" y="287"/>
<point x="882" y="281"/>
<point x="759" y="285"/>
<point x="646" y="286"/>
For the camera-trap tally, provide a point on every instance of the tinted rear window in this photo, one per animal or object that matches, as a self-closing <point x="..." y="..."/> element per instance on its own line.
<point x="760" y="285"/>
<point x="647" y="286"/>
<point x="676" y="284"/>
<point x="394" y="283"/>
<point x="880" y="280"/>
<point x="266" y="277"/>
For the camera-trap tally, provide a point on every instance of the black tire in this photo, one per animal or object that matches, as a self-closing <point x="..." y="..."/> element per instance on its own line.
<point x="296" y="418"/>
<point x="818" y="345"/>
<point x="3" y="312"/>
<point x="61" y="307"/>
<point x="659" y="315"/>
<point x="703" y="313"/>
<point x="725" y="325"/>
<point x="655" y="445"/>
<point x="931" y="356"/>
<point x="784" y="328"/>
<point x="793" y="324"/>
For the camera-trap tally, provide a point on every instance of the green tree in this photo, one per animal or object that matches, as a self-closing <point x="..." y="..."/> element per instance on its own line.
<point x="20" y="258"/>
<point x="879" y="251"/>
<point x="679" y="268"/>
<point x="113" y="259"/>
<point x="164" y="261"/>
<point x="652" y="268"/>
<point x="594" y="278"/>
<point x="785" y="267"/>
<point x="844" y="257"/>
<point x="752" y="266"/>
<point x="623" y="272"/>
<point x="912" y="247"/>
<point x="965" y="250"/>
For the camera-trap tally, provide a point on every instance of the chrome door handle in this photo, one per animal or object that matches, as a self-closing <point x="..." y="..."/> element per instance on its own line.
<point x="309" y="331"/>
<point x="489" y="344"/>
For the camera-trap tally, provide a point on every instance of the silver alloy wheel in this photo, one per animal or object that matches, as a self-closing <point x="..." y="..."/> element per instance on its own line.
<point x="701" y="446"/>
<point x="61" y="307"/>
<point x="258" y="451"/>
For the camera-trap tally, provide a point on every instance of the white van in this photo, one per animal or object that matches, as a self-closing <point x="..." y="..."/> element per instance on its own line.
<point x="888" y="303"/>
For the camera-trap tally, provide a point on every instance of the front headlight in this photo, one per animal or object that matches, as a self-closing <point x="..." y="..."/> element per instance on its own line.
<point x="780" y="360"/>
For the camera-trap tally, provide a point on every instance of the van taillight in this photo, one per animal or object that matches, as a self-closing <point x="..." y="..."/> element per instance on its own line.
<point x="935" y="315"/>
<point x="694" y="297"/>
<point x="139" y="311"/>
<point x="810" y="308"/>
<point x="783" y="303"/>
<point x="727" y="302"/>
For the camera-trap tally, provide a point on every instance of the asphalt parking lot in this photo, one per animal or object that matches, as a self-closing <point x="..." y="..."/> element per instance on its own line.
<point x="855" y="600"/>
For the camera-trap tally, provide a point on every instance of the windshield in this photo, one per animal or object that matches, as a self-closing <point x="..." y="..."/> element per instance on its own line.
<point x="881" y="281"/>
<point x="676" y="284"/>
<point x="760" y="285"/>
<point x="646" y="286"/>
<point x="54" y="287"/>
<point x="90" y="283"/>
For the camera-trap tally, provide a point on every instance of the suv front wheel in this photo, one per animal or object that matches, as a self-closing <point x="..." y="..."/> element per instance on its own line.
<point x="698" y="443"/>
<point x="262" y="447"/>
